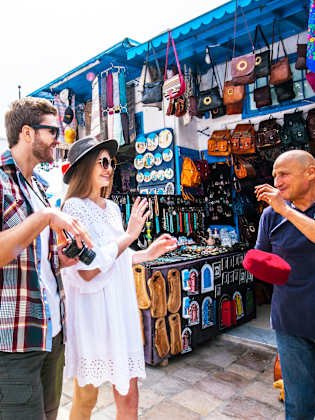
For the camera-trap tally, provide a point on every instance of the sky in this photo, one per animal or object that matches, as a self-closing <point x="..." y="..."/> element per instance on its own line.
<point x="41" y="39"/>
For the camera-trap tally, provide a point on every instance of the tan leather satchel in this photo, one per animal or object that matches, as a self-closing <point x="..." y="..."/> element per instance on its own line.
<point x="233" y="93"/>
<point x="219" y="143"/>
<point x="243" y="140"/>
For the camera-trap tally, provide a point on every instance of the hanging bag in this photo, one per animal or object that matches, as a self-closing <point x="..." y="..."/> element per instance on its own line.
<point x="219" y="143"/>
<point x="268" y="134"/>
<point x="152" y="92"/>
<point x="174" y="86"/>
<point x="243" y="67"/>
<point x="232" y="92"/>
<point x="211" y="98"/>
<point x="262" y="59"/>
<point x="190" y="176"/>
<point x="310" y="77"/>
<point x="262" y="96"/>
<point x="301" y="50"/>
<point x="285" y="91"/>
<point x="280" y="69"/>
<point x="243" y="139"/>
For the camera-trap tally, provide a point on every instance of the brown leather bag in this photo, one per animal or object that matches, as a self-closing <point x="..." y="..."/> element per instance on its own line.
<point x="243" y="140"/>
<point x="268" y="134"/>
<point x="233" y="93"/>
<point x="243" y="69"/>
<point x="243" y="168"/>
<point x="219" y="143"/>
<point x="234" y="108"/>
<point x="262" y="96"/>
<point x="280" y="70"/>
<point x="300" y="63"/>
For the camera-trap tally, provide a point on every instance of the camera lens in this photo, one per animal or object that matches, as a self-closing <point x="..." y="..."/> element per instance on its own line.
<point x="87" y="255"/>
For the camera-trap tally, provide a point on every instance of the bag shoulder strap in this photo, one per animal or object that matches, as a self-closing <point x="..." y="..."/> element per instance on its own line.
<point x="259" y="29"/>
<point x="170" y="38"/>
<point x="156" y="61"/>
<point x="235" y="27"/>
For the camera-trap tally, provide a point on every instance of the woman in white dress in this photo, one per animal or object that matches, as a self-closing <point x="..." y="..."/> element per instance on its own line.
<point x="104" y="341"/>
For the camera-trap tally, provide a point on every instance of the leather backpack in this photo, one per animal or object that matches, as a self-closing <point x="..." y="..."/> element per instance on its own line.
<point x="219" y="143"/>
<point x="268" y="134"/>
<point x="190" y="176"/>
<point x="243" y="168"/>
<point x="203" y="169"/>
<point x="243" y="139"/>
<point x="310" y="120"/>
<point x="294" y="131"/>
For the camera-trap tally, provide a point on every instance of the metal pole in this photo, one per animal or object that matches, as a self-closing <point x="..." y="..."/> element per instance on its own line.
<point x="19" y="87"/>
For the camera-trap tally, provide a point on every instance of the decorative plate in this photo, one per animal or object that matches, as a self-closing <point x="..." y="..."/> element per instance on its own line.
<point x="148" y="160"/>
<point x="147" y="177"/>
<point x="167" y="155"/>
<point x="141" y="144"/>
<point x="152" y="141"/>
<point x="138" y="162"/>
<point x="140" y="177"/>
<point x="158" y="159"/>
<point x="161" y="175"/>
<point x="165" y="138"/>
<point x="169" y="173"/>
<point x="170" y="189"/>
<point x="154" y="176"/>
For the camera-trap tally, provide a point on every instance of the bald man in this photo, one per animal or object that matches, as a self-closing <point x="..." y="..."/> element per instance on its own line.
<point x="287" y="228"/>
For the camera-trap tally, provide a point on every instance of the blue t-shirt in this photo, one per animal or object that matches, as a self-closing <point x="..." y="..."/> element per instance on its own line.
<point x="293" y="304"/>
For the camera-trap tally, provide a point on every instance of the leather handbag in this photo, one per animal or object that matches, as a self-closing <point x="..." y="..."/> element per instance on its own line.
<point x="243" y="168"/>
<point x="301" y="50"/>
<point x="211" y="98"/>
<point x="310" y="77"/>
<point x="243" y="67"/>
<point x="268" y="134"/>
<point x="285" y="91"/>
<point x="233" y="93"/>
<point x="152" y="92"/>
<point x="243" y="139"/>
<point x="262" y="96"/>
<point x="295" y="125"/>
<point x="218" y="112"/>
<point x="280" y="68"/>
<point x="262" y="59"/>
<point x="234" y="108"/>
<point x="174" y="86"/>
<point x="219" y="143"/>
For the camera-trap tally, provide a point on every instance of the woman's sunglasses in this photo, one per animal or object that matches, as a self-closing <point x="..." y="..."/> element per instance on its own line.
<point x="106" y="162"/>
<point x="54" y="131"/>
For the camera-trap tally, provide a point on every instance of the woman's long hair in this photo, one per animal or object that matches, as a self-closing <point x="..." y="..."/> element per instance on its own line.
<point x="80" y="184"/>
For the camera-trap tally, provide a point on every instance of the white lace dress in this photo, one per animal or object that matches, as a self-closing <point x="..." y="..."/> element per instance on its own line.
<point x="104" y="340"/>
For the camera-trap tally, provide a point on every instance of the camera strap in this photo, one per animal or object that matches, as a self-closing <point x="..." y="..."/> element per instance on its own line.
<point x="41" y="195"/>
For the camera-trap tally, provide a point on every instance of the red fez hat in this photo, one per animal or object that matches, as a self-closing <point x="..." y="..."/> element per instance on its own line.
<point x="267" y="267"/>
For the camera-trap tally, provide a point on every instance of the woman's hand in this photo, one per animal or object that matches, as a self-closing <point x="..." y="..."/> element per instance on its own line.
<point x="160" y="246"/>
<point x="138" y="217"/>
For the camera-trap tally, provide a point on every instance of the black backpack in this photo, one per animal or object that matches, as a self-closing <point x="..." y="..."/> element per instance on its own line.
<point x="294" y="131"/>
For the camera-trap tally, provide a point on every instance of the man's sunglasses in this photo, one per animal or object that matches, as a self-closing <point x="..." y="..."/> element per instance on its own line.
<point x="54" y="131"/>
<point x="106" y="162"/>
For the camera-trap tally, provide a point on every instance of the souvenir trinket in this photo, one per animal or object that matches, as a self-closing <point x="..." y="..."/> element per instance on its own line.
<point x="216" y="267"/>
<point x="185" y="307"/>
<point x="154" y="176"/>
<point x="207" y="279"/>
<point x="194" y="313"/>
<point x="237" y="297"/>
<point x="208" y="313"/>
<point x="147" y="177"/>
<point x="185" y="279"/>
<point x="169" y="173"/>
<point x="158" y="159"/>
<point x="169" y="188"/>
<point x="148" y="160"/>
<point x="152" y="141"/>
<point x="138" y="162"/>
<point x="140" y="177"/>
<point x="141" y="145"/>
<point x="165" y="138"/>
<point x="193" y="281"/>
<point x="160" y="175"/>
<point x="186" y="340"/>
<point x="167" y="155"/>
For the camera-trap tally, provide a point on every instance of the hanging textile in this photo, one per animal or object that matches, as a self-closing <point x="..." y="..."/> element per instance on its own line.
<point x="125" y="126"/>
<point x="61" y="108"/>
<point x="96" y="117"/>
<point x="103" y="93"/>
<point x="116" y="97"/>
<point x="109" y="92"/>
<point x="311" y="38"/>
<point x="122" y="91"/>
<point x="131" y="104"/>
<point x="118" y="130"/>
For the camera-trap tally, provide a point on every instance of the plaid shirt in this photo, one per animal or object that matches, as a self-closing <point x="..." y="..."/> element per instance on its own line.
<point x="25" y="323"/>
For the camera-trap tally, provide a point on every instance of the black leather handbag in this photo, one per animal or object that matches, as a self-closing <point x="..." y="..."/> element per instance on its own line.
<point x="211" y="98"/>
<point x="218" y="112"/>
<point x="285" y="91"/>
<point x="152" y="92"/>
<point x="262" y="59"/>
<point x="262" y="96"/>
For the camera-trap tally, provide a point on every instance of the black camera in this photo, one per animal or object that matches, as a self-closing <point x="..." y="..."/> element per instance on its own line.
<point x="71" y="250"/>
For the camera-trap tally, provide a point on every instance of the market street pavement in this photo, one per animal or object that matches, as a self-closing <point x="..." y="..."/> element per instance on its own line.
<point x="220" y="380"/>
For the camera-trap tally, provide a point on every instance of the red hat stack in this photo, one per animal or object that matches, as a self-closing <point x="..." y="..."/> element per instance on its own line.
<point x="267" y="267"/>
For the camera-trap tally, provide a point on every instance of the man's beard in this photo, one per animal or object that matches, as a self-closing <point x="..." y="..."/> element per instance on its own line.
<point x="41" y="151"/>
